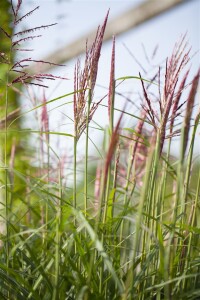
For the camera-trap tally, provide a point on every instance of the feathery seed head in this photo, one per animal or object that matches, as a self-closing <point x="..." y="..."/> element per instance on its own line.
<point x="112" y="81"/>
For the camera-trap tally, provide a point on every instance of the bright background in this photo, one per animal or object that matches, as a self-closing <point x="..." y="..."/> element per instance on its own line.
<point x="76" y="18"/>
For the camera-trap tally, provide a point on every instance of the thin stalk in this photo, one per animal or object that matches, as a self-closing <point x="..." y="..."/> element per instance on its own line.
<point x="180" y="178"/>
<point x="55" y="295"/>
<point x="104" y="220"/>
<point x="75" y="184"/>
<point x="86" y="152"/>
<point x="179" y="208"/>
<point x="115" y="179"/>
<point x="126" y="203"/>
<point x="6" y="182"/>
<point x="162" y="263"/>
<point x="75" y="170"/>
<point x="106" y="202"/>
<point x="97" y="222"/>
<point x="131" y="163"/>
<point x="112" y="146"/>
<point x="185" y="136"/>
<point x="190" y="156"/>
<point x="126" y="192"/>
<point x="138" y="234"/>
<point x="151" y="202"/>
<point x="182" y="186"/>
<point x="167" y="250"/>
<point x="111" y="101"/>
<point x="47" y="204"/>
<point x="194" y="216"/>
<point x="93" y="254"/>
<point x="159" y="262"/>
<point x="185" y="262"/>
<point x="7" y="208"/>
<point x="109" y="169"/>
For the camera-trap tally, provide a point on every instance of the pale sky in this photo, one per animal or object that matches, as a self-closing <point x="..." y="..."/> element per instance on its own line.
<point x="76" y="18"/>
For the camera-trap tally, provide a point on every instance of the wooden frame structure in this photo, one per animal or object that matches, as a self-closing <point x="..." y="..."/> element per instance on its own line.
<point x="128" y="20"/>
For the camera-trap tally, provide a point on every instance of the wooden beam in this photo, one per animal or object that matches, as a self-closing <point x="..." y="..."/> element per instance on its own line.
<point x="128" y="20"/>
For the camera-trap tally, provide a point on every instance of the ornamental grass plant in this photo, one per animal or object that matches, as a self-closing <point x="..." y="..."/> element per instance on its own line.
<point x="130" y="230"/>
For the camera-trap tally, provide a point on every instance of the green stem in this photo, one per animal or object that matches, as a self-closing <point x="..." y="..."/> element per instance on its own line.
<point x="168" y="247"/>
<point x="75" y="165"/>
<point x="190" y="222"/>
<point x="138" y="234"/>
<point x="7" y="210"/>
<point x="106" y="202"/>
<point x="55" y="295"/>
<point x="111" y="124"/>
<point x="125" y="204"/>
<point x="189" y="163"/>
<point x="86" y="152"/>
<point x="48" y="180"/>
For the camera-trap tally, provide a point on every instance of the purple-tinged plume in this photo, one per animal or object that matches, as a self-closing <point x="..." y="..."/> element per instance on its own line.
<point x="112" y="82"/>
<point x="189" y="109"/>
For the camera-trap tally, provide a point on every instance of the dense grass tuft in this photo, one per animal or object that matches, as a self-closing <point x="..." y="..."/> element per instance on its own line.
<point x="130" y="230"/>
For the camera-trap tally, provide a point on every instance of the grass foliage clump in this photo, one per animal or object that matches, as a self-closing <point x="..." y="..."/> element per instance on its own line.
<point x="130" y="230"/>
